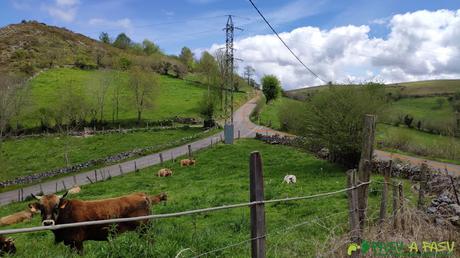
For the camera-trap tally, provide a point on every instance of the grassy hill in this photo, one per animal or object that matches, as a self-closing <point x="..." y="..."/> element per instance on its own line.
<point x="172" y="98"/>
<point x="220" y="177"/>
<point x="404" y="89"/>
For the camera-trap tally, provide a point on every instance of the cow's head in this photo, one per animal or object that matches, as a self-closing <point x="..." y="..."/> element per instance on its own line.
<point x="49" y="206"/>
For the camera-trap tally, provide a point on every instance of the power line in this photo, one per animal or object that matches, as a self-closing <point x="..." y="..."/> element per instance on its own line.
<point x="284" y="43"/>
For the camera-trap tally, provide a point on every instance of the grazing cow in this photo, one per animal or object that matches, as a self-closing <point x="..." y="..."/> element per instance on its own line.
<point x="7" y="246"/>
<point x="20" y="216"/>
<point x="290" y="179"/>
<point x="57" y="210"/>
<point x="74" y="190"/>
<point x="187" y="162"/>
<point x="165" y="172"/>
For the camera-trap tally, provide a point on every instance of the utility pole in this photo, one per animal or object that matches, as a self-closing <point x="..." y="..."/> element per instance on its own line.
<point x="229" y="86"/>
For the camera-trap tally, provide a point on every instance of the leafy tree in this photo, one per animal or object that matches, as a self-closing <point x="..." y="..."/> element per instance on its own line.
<point x="122" y="41"/>
<point x="187" y="58"/>
<point x="208" y="67"/>
<point x="143" y="86"/>
<point x="207" y="110"/>
<point x="150" y="48"/>
<point x="248" y="73"/>
<point x="105" y="38"/>
<point x="271" y="87"/>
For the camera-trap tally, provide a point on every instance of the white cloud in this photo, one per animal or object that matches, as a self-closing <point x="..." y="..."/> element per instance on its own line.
<point x="64" y="10"/>
<point x="421" y="45"/>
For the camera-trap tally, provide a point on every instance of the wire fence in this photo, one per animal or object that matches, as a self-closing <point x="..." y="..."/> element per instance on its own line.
<point x="170" y="215"/>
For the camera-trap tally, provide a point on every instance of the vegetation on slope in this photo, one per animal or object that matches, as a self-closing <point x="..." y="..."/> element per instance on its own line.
<point x="220" y="177"/>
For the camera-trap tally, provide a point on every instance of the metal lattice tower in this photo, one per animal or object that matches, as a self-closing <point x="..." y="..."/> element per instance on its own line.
<point x="229" y="68"/>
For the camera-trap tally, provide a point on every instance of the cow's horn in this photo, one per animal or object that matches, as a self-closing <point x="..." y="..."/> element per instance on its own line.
<point x="38" y="197"/>
<point x="62" y="196"/>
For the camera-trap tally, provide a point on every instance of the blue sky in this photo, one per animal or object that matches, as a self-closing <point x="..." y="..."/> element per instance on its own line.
<point x="198" y="23"/>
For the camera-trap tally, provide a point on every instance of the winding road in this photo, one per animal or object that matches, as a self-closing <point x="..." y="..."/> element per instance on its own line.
<point x="242" y="124"/>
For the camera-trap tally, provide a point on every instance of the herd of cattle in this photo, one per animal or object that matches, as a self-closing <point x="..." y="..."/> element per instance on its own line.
<point x="57" y="209"/>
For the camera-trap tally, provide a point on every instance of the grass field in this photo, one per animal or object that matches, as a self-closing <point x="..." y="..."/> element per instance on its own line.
<point x="270" y="116"/>
<point x="413" y="142"/>
<point x="174" y="97"/>
<point x="433" y="112"/>
<point x="220" y="177"/>
<point x="21" y="157"/>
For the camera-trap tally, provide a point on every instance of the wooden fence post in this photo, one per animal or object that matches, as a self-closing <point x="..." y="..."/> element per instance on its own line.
<point x="189" y="151"/>
<point x="135" y="167"/>
<point x="256" y="181"/>
<point x="383" y="204"/>
<point x="41" y="190"/>
<point x="239" y="134"/>
<point x="89" y="179"/>
<point x="95" y="175"/>
<point x="172" y="157"/>
<point x="422" y="186"/>
<point x="395" y="204"/>
<point x="56" y="187"/>
<point x="353" y="208"/>
<point x="121" y="169"/>
<point x="455" y="189"/>
<point x="63" y="184"/>
<point x="401" y="205"/>
<point x="161" y="158"/>
<point x="365" y="166"/>
<point x="19" y="195"/>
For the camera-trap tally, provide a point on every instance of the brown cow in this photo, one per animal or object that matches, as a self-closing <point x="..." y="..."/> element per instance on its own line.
<point x="57" y="210"/>
<point x="20" y="216"/>
<point x="164" y="172"/>
<point x="7" y="246"/>
<point x="187" y="162"/>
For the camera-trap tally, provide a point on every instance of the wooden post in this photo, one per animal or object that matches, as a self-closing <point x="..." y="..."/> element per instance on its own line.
<point x="19" y="195"/>
<point x="135" y="167"/>
<point x="161" y="158"/>
<point x="172" y="157"/>
<point x="395" y="204"/>
<point x="63" y="184"/>
<point x="95" y="175"/>
<point x="41" y="190"/>
<point x="422" y="186"/>
<point x="56" y="187"/>
<point x="89" y="179"/>
<point x="258" y="210"/>
<point x="355" y="232"/>
<point x="189" y="151"/>
<point x="365" y="166"/>
<point x="121" y="169"/>
<point x="239" y="134"/>
<point x="211" y="141"/>
<point x="401" y="205"/>
<point x="383" y="204"/>
<point x="455" y="189"/>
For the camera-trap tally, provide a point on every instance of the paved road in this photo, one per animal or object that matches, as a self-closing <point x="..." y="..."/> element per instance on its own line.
<point x="242" y="123"/>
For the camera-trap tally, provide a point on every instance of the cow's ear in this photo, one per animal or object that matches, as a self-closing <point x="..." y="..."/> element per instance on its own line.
<point x="63" y="203"/>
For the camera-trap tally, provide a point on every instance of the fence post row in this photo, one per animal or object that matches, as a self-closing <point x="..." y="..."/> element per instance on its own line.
<point x="355" y="232"/>
<point x="256" y="181"/>
<point x="365" y="165"/>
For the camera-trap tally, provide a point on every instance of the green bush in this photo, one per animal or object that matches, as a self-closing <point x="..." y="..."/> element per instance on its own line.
<point x="333" y="118"/>
<point x="271" y="87"/>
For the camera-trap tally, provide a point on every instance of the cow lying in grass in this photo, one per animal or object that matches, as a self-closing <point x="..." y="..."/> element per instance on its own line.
<point x="164" y="172"/>
<point x="19" y="216"/>
<point x="57" y="210"/>
<point x="187" y="162"/>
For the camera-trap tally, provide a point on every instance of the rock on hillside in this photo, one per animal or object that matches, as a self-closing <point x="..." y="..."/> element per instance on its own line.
<point x="31" y="46"/>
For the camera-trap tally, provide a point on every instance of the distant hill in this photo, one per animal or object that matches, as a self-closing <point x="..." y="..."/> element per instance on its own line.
<point x="31" y="46"/>
<point x="404" y="89"/>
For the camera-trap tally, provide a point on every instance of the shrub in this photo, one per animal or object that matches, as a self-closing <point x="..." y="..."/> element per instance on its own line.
<point x="85" y="63"/>
<point x="333" y="118"/>
<point x="408" y="119"/>
<point x="271" y="87"/>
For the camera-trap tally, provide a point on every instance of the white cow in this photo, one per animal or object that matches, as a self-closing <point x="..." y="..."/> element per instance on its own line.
<point x="290" y="179"/>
